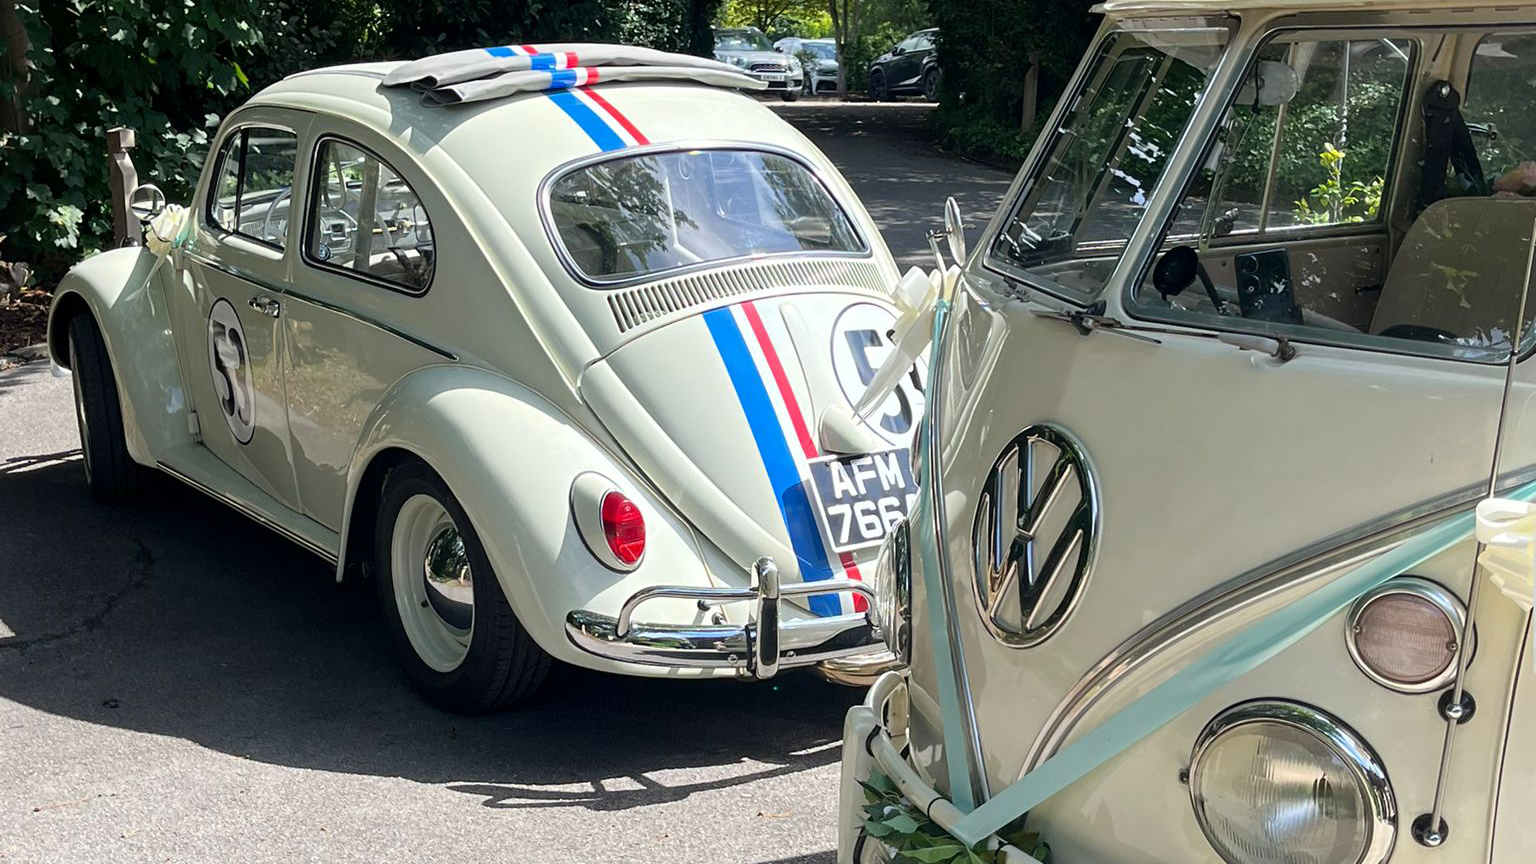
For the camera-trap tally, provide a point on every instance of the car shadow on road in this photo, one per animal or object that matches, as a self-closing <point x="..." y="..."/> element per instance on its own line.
<point x="176" y="616"/>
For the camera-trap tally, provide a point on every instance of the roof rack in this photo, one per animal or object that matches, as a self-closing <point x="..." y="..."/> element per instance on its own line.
<point x="478" y="74"/>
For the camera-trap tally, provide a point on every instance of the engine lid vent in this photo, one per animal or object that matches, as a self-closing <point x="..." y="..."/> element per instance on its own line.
<point x="633" y="307"/>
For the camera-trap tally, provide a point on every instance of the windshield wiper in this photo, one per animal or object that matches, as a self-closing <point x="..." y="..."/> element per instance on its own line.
<point x="1093" y="319"/>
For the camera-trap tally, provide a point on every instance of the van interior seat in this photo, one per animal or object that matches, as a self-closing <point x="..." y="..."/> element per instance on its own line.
<point x="1460" y="270"/>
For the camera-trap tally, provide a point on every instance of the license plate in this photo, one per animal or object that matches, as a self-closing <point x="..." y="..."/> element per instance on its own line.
<point x="861" y="498"/>
<point x="772" y="76"/>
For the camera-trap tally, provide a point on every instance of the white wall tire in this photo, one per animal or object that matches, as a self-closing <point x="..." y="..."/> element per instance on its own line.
<point x="458" y="638"/>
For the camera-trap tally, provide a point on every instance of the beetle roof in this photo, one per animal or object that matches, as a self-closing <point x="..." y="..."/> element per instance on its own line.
<point x="526" y="135"/>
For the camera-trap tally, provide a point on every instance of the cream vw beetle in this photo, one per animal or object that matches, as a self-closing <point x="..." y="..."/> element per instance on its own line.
<point x="548" y="360"/>
<point x="1192" y="574"/>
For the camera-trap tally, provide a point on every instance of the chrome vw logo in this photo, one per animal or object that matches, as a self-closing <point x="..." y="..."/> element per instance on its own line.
<point x="1037" y="526"/>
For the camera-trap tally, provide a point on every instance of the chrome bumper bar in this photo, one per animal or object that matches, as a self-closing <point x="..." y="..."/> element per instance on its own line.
<point x="758" y="649"/>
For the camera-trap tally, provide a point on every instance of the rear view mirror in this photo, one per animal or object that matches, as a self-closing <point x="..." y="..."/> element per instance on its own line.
<point x="1272" y="83"/>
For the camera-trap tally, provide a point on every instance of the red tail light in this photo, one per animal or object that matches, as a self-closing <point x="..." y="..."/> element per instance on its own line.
<point x="623" y="527"/>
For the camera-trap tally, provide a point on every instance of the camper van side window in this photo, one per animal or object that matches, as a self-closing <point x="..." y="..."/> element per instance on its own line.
<point x="1284" y="232"/>
<point x="1068" y="229"/>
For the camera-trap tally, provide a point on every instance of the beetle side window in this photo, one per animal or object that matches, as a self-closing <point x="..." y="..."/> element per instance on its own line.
<point x="1310" y="257"/>
<point x="365" y="219"/>
<point x="253" y="185"/>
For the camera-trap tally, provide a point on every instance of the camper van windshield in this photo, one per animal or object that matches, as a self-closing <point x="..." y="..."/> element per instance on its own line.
<point x="1071" y="222"/>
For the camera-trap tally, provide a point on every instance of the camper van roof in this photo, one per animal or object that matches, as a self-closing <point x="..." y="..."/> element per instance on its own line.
<point x="1127" y="8"/>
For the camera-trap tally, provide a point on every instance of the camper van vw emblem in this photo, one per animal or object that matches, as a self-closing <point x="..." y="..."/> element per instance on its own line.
<point x="1037" y="524"/>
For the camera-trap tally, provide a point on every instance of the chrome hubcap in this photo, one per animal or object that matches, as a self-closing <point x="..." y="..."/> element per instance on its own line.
<point x="450" y="584"/>
<point x="433" y="582"/>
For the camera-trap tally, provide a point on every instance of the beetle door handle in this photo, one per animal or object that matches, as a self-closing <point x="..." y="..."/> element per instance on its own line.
<point x="269" y="306"/>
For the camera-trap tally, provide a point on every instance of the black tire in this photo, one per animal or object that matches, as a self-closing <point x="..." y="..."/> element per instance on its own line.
<point x="111" y="473"/>
<point x="503" y="665"/>
<point x="790" y="95"/>
<point x="877" y="88"/>
<point x="931" y="85"/>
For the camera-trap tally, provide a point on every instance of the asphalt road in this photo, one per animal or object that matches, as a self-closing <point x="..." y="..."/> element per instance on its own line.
<point x="179" y="685"/>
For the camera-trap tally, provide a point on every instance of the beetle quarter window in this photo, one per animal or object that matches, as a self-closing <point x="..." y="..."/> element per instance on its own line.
<point x="638" y="215"/>
<point x="253" y="185"/>
<point x="365" y="219"/>
<point x="1068" y="229"/>
<point x="1299" y="227"/>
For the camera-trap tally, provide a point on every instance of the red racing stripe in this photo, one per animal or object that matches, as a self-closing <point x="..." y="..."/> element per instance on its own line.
<point x="615" y="113"/>
<point x="796" y="419"/>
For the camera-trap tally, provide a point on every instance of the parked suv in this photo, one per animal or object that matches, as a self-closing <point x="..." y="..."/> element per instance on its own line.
<point x="749" y="50"/>
<point x="908" y="69"/>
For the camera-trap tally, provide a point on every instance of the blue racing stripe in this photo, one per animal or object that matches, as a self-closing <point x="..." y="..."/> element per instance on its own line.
<point x="500" y="51"/>
<point x="773" y="449"/>
<point x="541" y="61"/>
<point x="560" y="77"/>
<point x="601" y="134"/>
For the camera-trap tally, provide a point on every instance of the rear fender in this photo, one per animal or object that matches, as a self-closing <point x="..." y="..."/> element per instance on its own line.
<point x="510" y="458"/>
<point x="122" y="290"/>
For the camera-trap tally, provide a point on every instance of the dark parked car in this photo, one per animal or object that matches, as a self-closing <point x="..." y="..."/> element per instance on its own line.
<point x="908" y="69"/>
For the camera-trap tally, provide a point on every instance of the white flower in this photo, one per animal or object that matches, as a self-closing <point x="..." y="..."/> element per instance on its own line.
<point x="166" y="230"/>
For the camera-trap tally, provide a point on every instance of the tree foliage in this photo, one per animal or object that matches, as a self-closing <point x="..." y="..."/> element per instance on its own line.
<point x="984" y="49"/>
<point x="170" y="69"/>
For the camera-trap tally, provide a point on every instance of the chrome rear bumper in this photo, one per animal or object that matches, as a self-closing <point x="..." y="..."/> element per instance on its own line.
<point x="758" y="649"/>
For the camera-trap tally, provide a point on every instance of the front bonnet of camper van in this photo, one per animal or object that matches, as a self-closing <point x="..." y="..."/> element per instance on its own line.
<point x="1193" y="378"/>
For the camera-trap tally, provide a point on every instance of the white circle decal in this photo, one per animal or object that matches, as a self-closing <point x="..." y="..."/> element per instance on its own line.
<point x="861" y="340"/>
<point x="230" y="360"/>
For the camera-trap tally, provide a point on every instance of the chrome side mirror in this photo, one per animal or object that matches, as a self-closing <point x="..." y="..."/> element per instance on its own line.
<point x="954" y="229"/>
<point x="146" y="202"/>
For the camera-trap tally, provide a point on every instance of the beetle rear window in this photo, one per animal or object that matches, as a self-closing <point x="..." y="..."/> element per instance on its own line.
<point x="639" y="215"/>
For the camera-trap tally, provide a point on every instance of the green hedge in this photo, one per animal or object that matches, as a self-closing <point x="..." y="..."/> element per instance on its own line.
<point x="170" y="69"/>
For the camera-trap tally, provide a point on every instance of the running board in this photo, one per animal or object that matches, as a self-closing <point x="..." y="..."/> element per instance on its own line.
<point x="197" y="467"/>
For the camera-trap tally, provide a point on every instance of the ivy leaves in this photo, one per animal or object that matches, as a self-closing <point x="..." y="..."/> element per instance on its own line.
<point x="916" y="839"/>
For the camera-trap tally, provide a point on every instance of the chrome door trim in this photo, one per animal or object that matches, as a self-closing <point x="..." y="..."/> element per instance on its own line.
<point x="1318" y="562"/>
<point x="372" y="322"/>
<point x="251" y="513"/>
<point x="288" y="291"/>
<point x="235" y="270"/>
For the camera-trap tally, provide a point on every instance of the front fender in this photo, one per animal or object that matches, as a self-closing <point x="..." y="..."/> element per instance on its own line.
<point x="510" y="458"/>
<point x="121" y="289"/>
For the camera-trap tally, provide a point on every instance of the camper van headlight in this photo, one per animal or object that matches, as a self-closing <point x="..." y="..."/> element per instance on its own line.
<point x="1403" y="635"/>
<point x="1281" y="783"/>
<point x="891" y="613"/>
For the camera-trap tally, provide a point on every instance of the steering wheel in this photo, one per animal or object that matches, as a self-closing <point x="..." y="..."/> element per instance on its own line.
<point x="1179" y="267"/>
<point x="266" y="222"/>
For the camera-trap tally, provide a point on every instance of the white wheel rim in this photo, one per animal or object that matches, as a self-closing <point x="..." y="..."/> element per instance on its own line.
<point x="434" y="587"/>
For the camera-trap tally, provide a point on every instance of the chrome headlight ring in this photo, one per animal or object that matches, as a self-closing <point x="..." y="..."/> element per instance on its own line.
<point x="1293" y="729"/>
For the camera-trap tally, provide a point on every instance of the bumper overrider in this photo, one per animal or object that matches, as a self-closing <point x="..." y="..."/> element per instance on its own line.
<point x="875" y="739"/>
<point x="847" y="646"/>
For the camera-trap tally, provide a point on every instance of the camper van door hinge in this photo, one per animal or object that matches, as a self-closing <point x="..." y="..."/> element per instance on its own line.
<point x="194" y="428"/>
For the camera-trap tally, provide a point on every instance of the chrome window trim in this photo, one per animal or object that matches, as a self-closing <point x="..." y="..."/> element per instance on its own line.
<point x="1369" y="772"/>
<point x="1035" y="162"/>
<point x="1441" y="598"/>
<point x="313" y="181"/>
<point x="210" y="192"/>
<point x="546" y="215"/>
<point x="1320" y="561"/>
